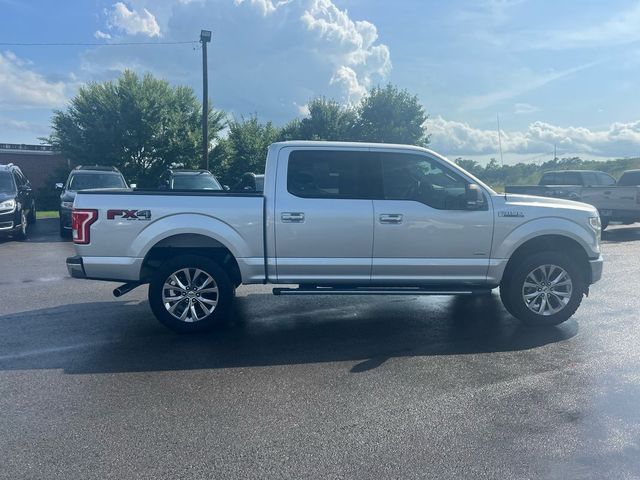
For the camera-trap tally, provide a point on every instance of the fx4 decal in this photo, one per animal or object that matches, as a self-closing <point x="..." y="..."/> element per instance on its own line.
<point x="129" y="214"/>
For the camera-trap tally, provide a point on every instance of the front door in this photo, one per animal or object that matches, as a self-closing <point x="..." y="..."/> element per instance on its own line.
<point x="424" y="231"/>
<point x="323" y="217"/>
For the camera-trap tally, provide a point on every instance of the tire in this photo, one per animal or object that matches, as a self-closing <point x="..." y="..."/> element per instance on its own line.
<point x="32" y="215"/>
<point x="64" y="233"/>
<point x="21" y="234"/>
<point x="560" y="303"/>
<point x="172" y="272"/>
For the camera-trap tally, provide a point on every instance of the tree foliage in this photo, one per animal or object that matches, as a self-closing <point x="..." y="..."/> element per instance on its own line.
<point x="140" y="125"/>
<point x="244" y="149"/>
<point x="327" y="120"/>
<point x="385" y="115"/>
<point x="390" y="115"/>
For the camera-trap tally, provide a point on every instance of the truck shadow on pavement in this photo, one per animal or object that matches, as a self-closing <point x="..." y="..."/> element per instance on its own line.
<point x="124" y="337"/>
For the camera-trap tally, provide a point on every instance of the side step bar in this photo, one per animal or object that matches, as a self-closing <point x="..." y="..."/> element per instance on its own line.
<point x="379" y="291"/>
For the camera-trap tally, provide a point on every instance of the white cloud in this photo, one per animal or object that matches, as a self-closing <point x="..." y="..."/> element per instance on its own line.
<point x="132" y="22"/>
<point x="457" y="138"/>
<point x="521" y="82"/>
<point x="620" y="29"/>
<point x="22" y="87"/>
<point x="24" y="126"/>
<point x="350" y="45"/>
<point x="524" y="108"/>
<point x="265" y="6"/>
<point x="100" y="35"/>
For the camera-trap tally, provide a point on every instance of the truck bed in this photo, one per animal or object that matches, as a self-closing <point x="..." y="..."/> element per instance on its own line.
<point x="236" y="220"/>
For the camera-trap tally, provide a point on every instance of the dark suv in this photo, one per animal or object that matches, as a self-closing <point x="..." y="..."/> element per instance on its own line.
<point x="85" y="178"/>
<point x="179" y="179"/>
<point x="17" y="202"/>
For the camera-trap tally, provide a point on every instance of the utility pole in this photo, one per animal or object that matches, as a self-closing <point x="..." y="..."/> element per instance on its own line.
<point x="205" y="37"/>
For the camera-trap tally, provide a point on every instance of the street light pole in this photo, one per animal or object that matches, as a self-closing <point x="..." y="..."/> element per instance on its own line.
<point x="205" y="37"/>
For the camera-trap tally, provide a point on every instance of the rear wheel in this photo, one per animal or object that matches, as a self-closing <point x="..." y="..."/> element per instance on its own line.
<point x="190" y="293"/>
<point x="543" y="289"/>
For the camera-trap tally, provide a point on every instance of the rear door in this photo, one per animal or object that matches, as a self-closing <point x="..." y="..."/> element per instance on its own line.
<point x="324" y="216"/>
<point x="424" y="233"/>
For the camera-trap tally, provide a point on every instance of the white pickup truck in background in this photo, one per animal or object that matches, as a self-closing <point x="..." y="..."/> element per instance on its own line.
<point x="616" y="201"/>
<point x="341" y="219"/>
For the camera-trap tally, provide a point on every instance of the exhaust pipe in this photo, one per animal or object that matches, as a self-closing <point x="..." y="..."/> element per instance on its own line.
<point x="126" y="288"/>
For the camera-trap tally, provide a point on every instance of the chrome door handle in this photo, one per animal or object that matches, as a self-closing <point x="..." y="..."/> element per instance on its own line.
<point x="391" y="218"/>
<point x="292" y="217"/>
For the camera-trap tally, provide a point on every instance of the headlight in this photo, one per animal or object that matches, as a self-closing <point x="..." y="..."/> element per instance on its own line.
<point x="67" y="205"/>
<point x="595" y="223"/>
<point x="9" y="205"/>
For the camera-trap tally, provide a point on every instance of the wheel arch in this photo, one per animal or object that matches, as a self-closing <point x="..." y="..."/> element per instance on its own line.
<point x="551" y="242"/>
<point x="190" y="244"/>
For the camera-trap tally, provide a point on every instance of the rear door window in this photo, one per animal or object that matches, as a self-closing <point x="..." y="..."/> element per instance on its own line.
<point x="332" y="174"/>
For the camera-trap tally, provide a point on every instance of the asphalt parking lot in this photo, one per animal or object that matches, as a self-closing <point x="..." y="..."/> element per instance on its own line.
<point x="339" y="387"/>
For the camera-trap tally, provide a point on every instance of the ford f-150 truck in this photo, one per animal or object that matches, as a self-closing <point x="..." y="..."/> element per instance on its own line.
<point x="342" y="219"/>
<point x="615" y="201"/>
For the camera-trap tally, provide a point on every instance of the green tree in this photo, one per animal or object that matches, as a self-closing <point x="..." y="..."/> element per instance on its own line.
<point x="470" y="166"/>
<point x="327" y="120"/>
<point x="390" y="115"/>
<point x="140" y="125"/>
<point x="244" y="149"/>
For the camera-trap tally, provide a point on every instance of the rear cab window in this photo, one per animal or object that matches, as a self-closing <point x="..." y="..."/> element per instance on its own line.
<point x="332" y="174"/>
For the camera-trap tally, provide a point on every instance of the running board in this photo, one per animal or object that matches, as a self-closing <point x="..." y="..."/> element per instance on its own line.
<point x="379" y="291"/>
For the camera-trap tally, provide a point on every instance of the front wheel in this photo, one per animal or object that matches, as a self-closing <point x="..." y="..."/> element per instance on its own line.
<point x="21" y="233"/>
<point x="190" y="293"/>
<point x="543" y="289"/>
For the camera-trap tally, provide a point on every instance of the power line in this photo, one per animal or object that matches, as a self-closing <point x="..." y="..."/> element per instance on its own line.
<point x="92" y="44"/>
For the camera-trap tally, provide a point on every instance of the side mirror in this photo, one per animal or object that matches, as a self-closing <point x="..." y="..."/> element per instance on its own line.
<point x="133" y="186"/>
<point x="226" y="188"/>
<point x="59" y="186"/>
<point x="474" y="198"/>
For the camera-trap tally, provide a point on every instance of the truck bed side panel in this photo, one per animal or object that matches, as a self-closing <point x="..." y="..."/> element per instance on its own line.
<point x="236" y="222"/>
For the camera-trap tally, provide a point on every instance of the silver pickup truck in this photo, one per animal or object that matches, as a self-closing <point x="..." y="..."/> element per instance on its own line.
<point x="616" y="201"/>
<point x="340" y="219"/>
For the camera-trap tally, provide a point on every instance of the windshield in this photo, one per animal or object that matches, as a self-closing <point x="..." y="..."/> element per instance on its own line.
<point x="7" y="185"/>
<point x="86" y="181"/>
<point x="199" y="181"/>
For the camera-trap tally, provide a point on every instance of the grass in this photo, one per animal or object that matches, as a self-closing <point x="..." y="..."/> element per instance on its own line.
<point x="47" y="214"/>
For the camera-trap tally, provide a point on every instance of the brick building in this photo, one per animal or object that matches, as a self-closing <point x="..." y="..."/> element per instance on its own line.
<point x="37" y="162"/>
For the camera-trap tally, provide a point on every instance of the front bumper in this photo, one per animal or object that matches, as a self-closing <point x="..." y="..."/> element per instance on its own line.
<point x="596" y="269"/>
<point x="75" y="267"/>
<point x="9" y="221"/>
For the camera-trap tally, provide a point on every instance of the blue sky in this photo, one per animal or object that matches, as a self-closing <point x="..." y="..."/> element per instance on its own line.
<point x="561" y="73"/>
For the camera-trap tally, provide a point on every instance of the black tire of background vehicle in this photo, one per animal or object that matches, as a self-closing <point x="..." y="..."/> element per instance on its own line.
<point x="226" y="293"/>
<point x="64" y="233"/>
<point x="21" y="234"/>
<point x="32" y="215"/>
<point x="511" y="288"/>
